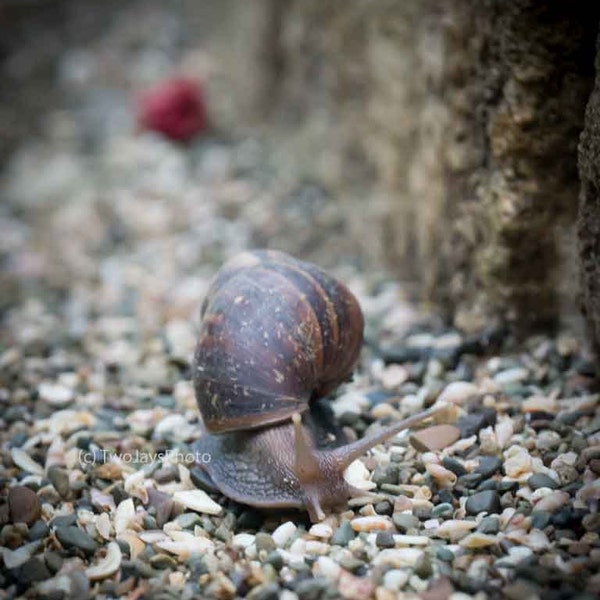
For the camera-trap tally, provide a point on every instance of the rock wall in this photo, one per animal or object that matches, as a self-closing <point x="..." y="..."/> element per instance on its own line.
<point x="464" y="119"/>
<point x="588" y="224"/>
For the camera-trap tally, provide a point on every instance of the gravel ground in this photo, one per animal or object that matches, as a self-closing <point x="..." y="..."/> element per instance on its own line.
<point x="106" y="257"/>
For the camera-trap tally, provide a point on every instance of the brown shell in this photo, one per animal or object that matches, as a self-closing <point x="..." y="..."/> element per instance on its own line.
<point x="276" y="333"/>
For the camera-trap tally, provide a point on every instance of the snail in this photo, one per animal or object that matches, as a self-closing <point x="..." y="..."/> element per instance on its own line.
<point x="277" y="335"/>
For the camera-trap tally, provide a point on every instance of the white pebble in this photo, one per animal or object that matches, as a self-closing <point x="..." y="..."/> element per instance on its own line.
<point x="458" y="392"/>
<point x="478" y="540"/>
<point x="55" y="393"/>
<point x="326" y="567"/>
<point x="395" y="579"/>
<point x="316" y="547"/>
<point x="25" y="462"/>
<point x="455" y="529"/>
<point x="411" y="540"/>
<point x="124" y="516"/>
<point x="398" y="557"/>
<point x="283" y="534"/>
<point x="108" y="565"/>
<point x="298" y="547"/>
<point x="199" y="501"/>
<point x="321" y="530"/>
<point x="509" y="376"/>
<point x="243" y="540"/>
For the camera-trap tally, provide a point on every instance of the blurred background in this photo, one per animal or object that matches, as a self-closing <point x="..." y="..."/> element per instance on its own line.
<point x="433" y="144"/>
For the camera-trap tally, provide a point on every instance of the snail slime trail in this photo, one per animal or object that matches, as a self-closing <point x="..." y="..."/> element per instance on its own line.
<point x="277" y="335"/>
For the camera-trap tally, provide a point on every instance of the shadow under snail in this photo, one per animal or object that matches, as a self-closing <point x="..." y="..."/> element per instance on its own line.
<point x="277" y="335"/>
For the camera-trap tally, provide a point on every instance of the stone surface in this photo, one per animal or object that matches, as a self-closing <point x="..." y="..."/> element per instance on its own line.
<point x="540" y="480"/>
<point x="73" y="538"/>
<point x="588" y="228"/>
<point x="24" y="505"/>
<point x="488" y="501"/>
<point x="434" y="438"/>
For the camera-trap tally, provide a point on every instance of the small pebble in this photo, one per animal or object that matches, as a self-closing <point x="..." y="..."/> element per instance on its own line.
<point x="73" y="538"/>
<point x="458" y="392"/>
<point x="541" y="480"/>
<point x="55" y="394"/>
<point x="395" y="579"/>
<point x="376" y="523"/>
<point x="436" y="437"/>
<point x="487" y="501"/>
<point x="488" y="466"/>
<point x="264" y="542"/>
<point x="23" y="504"/>
<point x="188" y="520"/>
<point x="199" y="501"/>
<point x="54" y="561"/>
<point x="385" y="539"/>
<point x="443" y="510"/>
<point x="489" y="525"/>
<point x="342" y="535"/>
<point x="283" y="534"/>
<point x="454" y="465"/>
<point x="59" y="478"/>
<point x="275" y="559"/>
<point x="444" y="554"/>
<point x="33" y="570"/>
<point x="405" y="522"/>
<point x="38" y="530"/>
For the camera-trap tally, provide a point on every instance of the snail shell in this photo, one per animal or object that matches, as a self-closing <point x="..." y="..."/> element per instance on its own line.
<point x="276" y="334"/>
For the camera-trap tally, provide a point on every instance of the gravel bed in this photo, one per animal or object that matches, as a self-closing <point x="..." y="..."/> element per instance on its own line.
<point x="107" y="255"/>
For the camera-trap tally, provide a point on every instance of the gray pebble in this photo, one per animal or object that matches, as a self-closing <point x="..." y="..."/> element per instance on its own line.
<point x="54" y="561"/>
<point x="311" y="589"/>
<point x="71" y="537"/>
<point x="470" y="480"/>
<point x="383" y="508"/>
<point x="351" y="563"/>
<point x="59" y="478"/>
<point x="166" y="474"/>
<point x="188" y="520"/>
<point x="455" y="466"/>
<point x="386" y="474"/>
<point x="63" y="521"/>
<point x="442" y="510"/>
<point x="445" y="554"/>
<point x="385" y="539"/>
<point x="264" y="541"/>
<point x="489" y="525"/>
<point x="33" y="570"/>
<point x="223" y="532"/>
<point x="38" y="530"/>
<point x="422" y="512"/>
<point x="488" y="465"/>
<point x="540" y="480"/>
<point x="343" y="534"/>
<point x="275" y="560"/>
<point x="405" y="521"/>
<point x="487" y="501"/>
<point x="540" y="519"/>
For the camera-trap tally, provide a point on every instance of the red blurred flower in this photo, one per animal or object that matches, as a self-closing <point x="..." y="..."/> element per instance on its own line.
<point x="175" y="107"/>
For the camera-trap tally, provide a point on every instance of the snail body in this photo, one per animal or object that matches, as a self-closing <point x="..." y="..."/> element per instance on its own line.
<point x="277" y="335"/>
